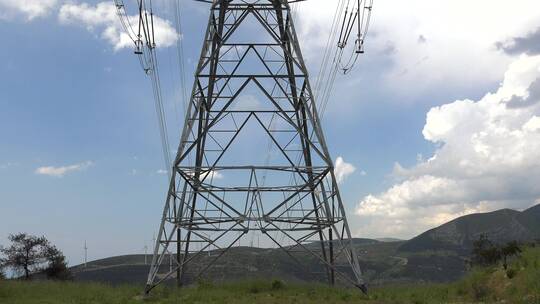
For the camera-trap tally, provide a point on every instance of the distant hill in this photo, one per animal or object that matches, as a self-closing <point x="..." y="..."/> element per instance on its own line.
<point x="386" y="240"/>
<point x="458" y="235"/>
<point x="237" y="263"/>
<point x="247" y="263"/>
<point x="124" y="269"/>
<point x="380" y="262"/>
<point x="438" y="255"/>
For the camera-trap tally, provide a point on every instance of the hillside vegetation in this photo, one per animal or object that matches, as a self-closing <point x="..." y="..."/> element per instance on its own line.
<point x="458" y="235"/>
<point x="519" y="284"/>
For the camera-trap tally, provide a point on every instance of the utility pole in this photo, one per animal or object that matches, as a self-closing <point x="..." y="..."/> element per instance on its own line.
<point x="251" y="52"/>
<point x="145" y="254"/>
<point x="85" y="255"/>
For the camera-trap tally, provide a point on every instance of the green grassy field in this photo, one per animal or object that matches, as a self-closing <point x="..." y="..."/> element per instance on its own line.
<point x="520" y="284"/>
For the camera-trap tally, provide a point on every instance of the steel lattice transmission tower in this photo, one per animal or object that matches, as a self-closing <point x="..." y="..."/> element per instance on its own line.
<point x="252" y="92"/>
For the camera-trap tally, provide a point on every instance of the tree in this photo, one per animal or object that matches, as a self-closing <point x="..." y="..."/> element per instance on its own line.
<point x="485" y="252"/>
<point x="57" y="265"/>
<point x="2" y="266"/>
<point x="26" y="254"/>
<point x="509" y="250"/>
<point x="29" y="254"/>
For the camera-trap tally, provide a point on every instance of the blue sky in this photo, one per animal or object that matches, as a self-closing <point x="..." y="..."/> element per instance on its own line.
<point x="82" y="111"/>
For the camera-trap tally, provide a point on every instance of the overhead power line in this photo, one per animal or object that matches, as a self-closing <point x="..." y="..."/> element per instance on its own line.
<point x="143" y="37"/>
<point x="349" y="15"/>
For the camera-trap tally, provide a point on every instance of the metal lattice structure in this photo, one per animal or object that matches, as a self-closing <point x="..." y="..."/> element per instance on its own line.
<point x="251" y="91"/>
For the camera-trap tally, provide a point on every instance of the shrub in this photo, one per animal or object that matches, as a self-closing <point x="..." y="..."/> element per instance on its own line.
<point x="254" y="288"/>
<point x="57" y="268"/>
<point x="277" y="284"/>
<point x="509" y="250"/>
<point x="487" y="253"/>
<point x="511" y="273"/>
<point x="479" y="290"/>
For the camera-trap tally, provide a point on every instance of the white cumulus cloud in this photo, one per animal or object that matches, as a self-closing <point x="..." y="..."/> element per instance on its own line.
<point x="209" y="175"/>
<point x="342" y="169"/>
<point x="488" y="157"/>
<point x="62" y="170"/>
<point x="212" y="175"/>
<point x="431" y="43"/>
<point x="28" y="9"/>
<point x="103" y="18"/>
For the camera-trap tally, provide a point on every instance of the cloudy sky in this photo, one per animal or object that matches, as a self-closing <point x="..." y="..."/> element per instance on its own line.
<point x="440" y="118"/>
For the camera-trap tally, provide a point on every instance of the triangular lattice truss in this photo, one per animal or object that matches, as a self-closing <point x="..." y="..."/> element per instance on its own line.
<point x="252" y="156"/>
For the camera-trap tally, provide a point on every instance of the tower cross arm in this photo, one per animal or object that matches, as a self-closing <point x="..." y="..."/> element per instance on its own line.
<point x="212" y="1"/>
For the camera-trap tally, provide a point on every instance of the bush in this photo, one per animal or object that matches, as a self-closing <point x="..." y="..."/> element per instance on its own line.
<point x="487" y="253"/>
<point x="479" y="290"/>
<point x="511" y="273"/>
<point x="57" y="265"/>
<point x="254" y="289"/>
<point x="277" y="284"/>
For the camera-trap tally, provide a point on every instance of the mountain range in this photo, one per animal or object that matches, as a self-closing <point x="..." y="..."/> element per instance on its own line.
<point x="437" y="255"/>
<point x="499" y="226"/>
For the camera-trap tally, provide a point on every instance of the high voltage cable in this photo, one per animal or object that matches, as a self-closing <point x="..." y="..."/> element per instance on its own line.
<point x="145" y="48"/>
<point x="359" y="13"/>
<point x="328" y="47"/>
<point x="180" y="50"/>
<point x="333" y="52"/>
<point x="161" y="113"/>
<point x="327" y="81"/>
<point x="331" y="62"/>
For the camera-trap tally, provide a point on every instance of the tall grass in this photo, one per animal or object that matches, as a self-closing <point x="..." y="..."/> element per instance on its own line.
<point x="520" y="284"/>
<point x="45" y="292"/>
<point x="481" y="285"/>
